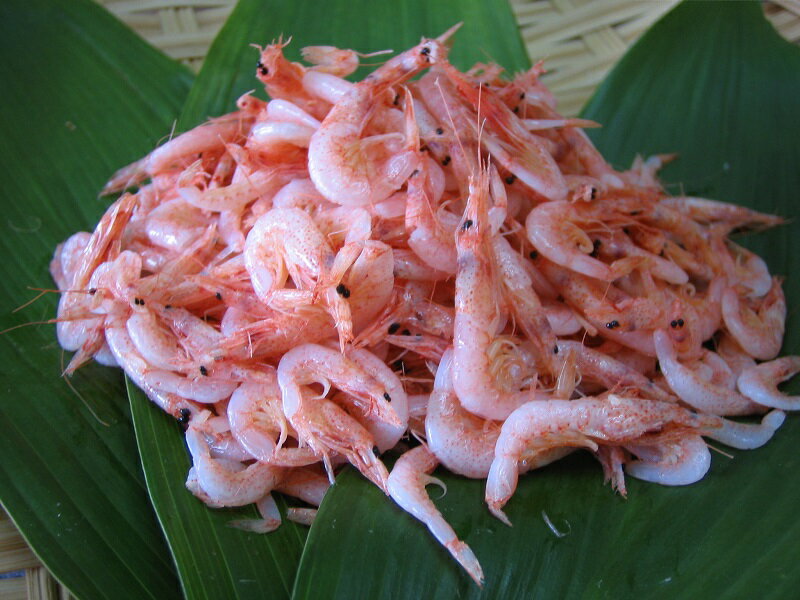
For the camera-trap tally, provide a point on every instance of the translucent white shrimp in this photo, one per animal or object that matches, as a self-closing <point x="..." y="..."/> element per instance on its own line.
<point x="158" y="345"/>
<point x="135" y="367"/>
<point x="407" y="481"/>
<point x="229" y="483"/>
<point x="579" y="423"/>
<point x="255" y="416"/>
<point x="677" y="462"/>
<point x="747" y="436"/>
<point x="353" y="171"/>
<point x="203" y="389"/>
<point x="309" y="484"/>
<point x="759" y="332"/>
<point x="690" y="386"/>
<point x="760" y="383"/>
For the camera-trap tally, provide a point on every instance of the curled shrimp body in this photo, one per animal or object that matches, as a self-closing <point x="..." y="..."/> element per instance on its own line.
<point x="552" y="231"/>
<point x="350" y="170"/>
<point x="255" y="416"/>
<point x="310" y="363"/>
<point x="760" y="383"/>
<point x="679" y="462"/>
<point x="385" y="435"/>
<point x="461" y="441"/>
<point x="228" y="483"/>
<point x="760" y="332"/>
<point x="407" y="481"/>
<point x="580" y="423"/>
<point x="747" y="436"/>
<point x="691" y="387"/>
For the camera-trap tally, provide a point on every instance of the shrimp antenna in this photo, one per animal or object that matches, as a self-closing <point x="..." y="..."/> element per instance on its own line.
<point x="450" y="117"/>
<point x="42" y="292"/>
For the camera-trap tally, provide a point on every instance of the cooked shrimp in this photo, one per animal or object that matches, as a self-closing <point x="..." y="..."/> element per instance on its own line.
<point x="759" y="332"/>
<point x="210" y="136"/>
<point x="580" y="423"/>
<point x="760" y="383"/>
<point x="351" y="171"/>
<point x="255" y="416"/>
<point x="692" y="388"/>
<point x="228" y="483"/>
<point x="477" y="314"/>
<point x="406" y="484"/>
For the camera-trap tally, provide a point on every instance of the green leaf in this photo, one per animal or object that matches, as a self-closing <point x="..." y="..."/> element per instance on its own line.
<point x="82" y="95"/>
<point x="713" y="82"/>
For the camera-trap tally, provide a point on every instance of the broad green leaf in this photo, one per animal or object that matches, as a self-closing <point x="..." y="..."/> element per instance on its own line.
<point x="713" y="82"/>
<point x="82" y="95"/>
<point x="214" y="560"/>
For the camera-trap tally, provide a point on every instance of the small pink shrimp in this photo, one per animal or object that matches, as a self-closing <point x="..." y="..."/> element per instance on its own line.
<point x="692" y="388"/>
<point x="614" y="375"/>
<point x="760" y="383"/>
<point x="309" y="484"/>
<point x="386" y="435"/>
<point x="579" y="423"/>
<point x="353" y="171"/>
<point x="209" y="136"/>
<point x="283" y="79"/>
<point x="330" y="59"/>
<point x="552" y="230"/>
<point x="508" y="141"/>
<point x="255" y="415"/>
<point x="229" y="483"/>
<point x="759" y="332"/>
<point x="311" y="363"/>
<point x="175" y="224"/>
<point x="477" y="313"/>
<point x="406" y="484"/>
<point x="461" y="441"/>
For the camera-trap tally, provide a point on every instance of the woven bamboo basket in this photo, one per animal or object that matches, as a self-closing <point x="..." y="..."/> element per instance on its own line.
<point x="580" y="41"/>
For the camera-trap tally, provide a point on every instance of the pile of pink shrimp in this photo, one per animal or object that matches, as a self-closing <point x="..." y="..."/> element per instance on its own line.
<point x="445" y="266"/>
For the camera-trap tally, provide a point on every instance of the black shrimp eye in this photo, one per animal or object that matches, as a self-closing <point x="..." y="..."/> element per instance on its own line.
<point x="446" y="161"/>
<point x="203" y="370"/>
<point x="612" y="324"/>
<point x="533" y="254"/>
<point x="393" y="328"/>
<point x="439" y="131"/>
<point x="342" y="290"/>
<point x="511" y="179"/>
<point x="425" y="51"/>
<point x="387" y="397"/>
<point x="185" y="413"/>
<point x="376" y="451"/>
<point x="467" y="224"/>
